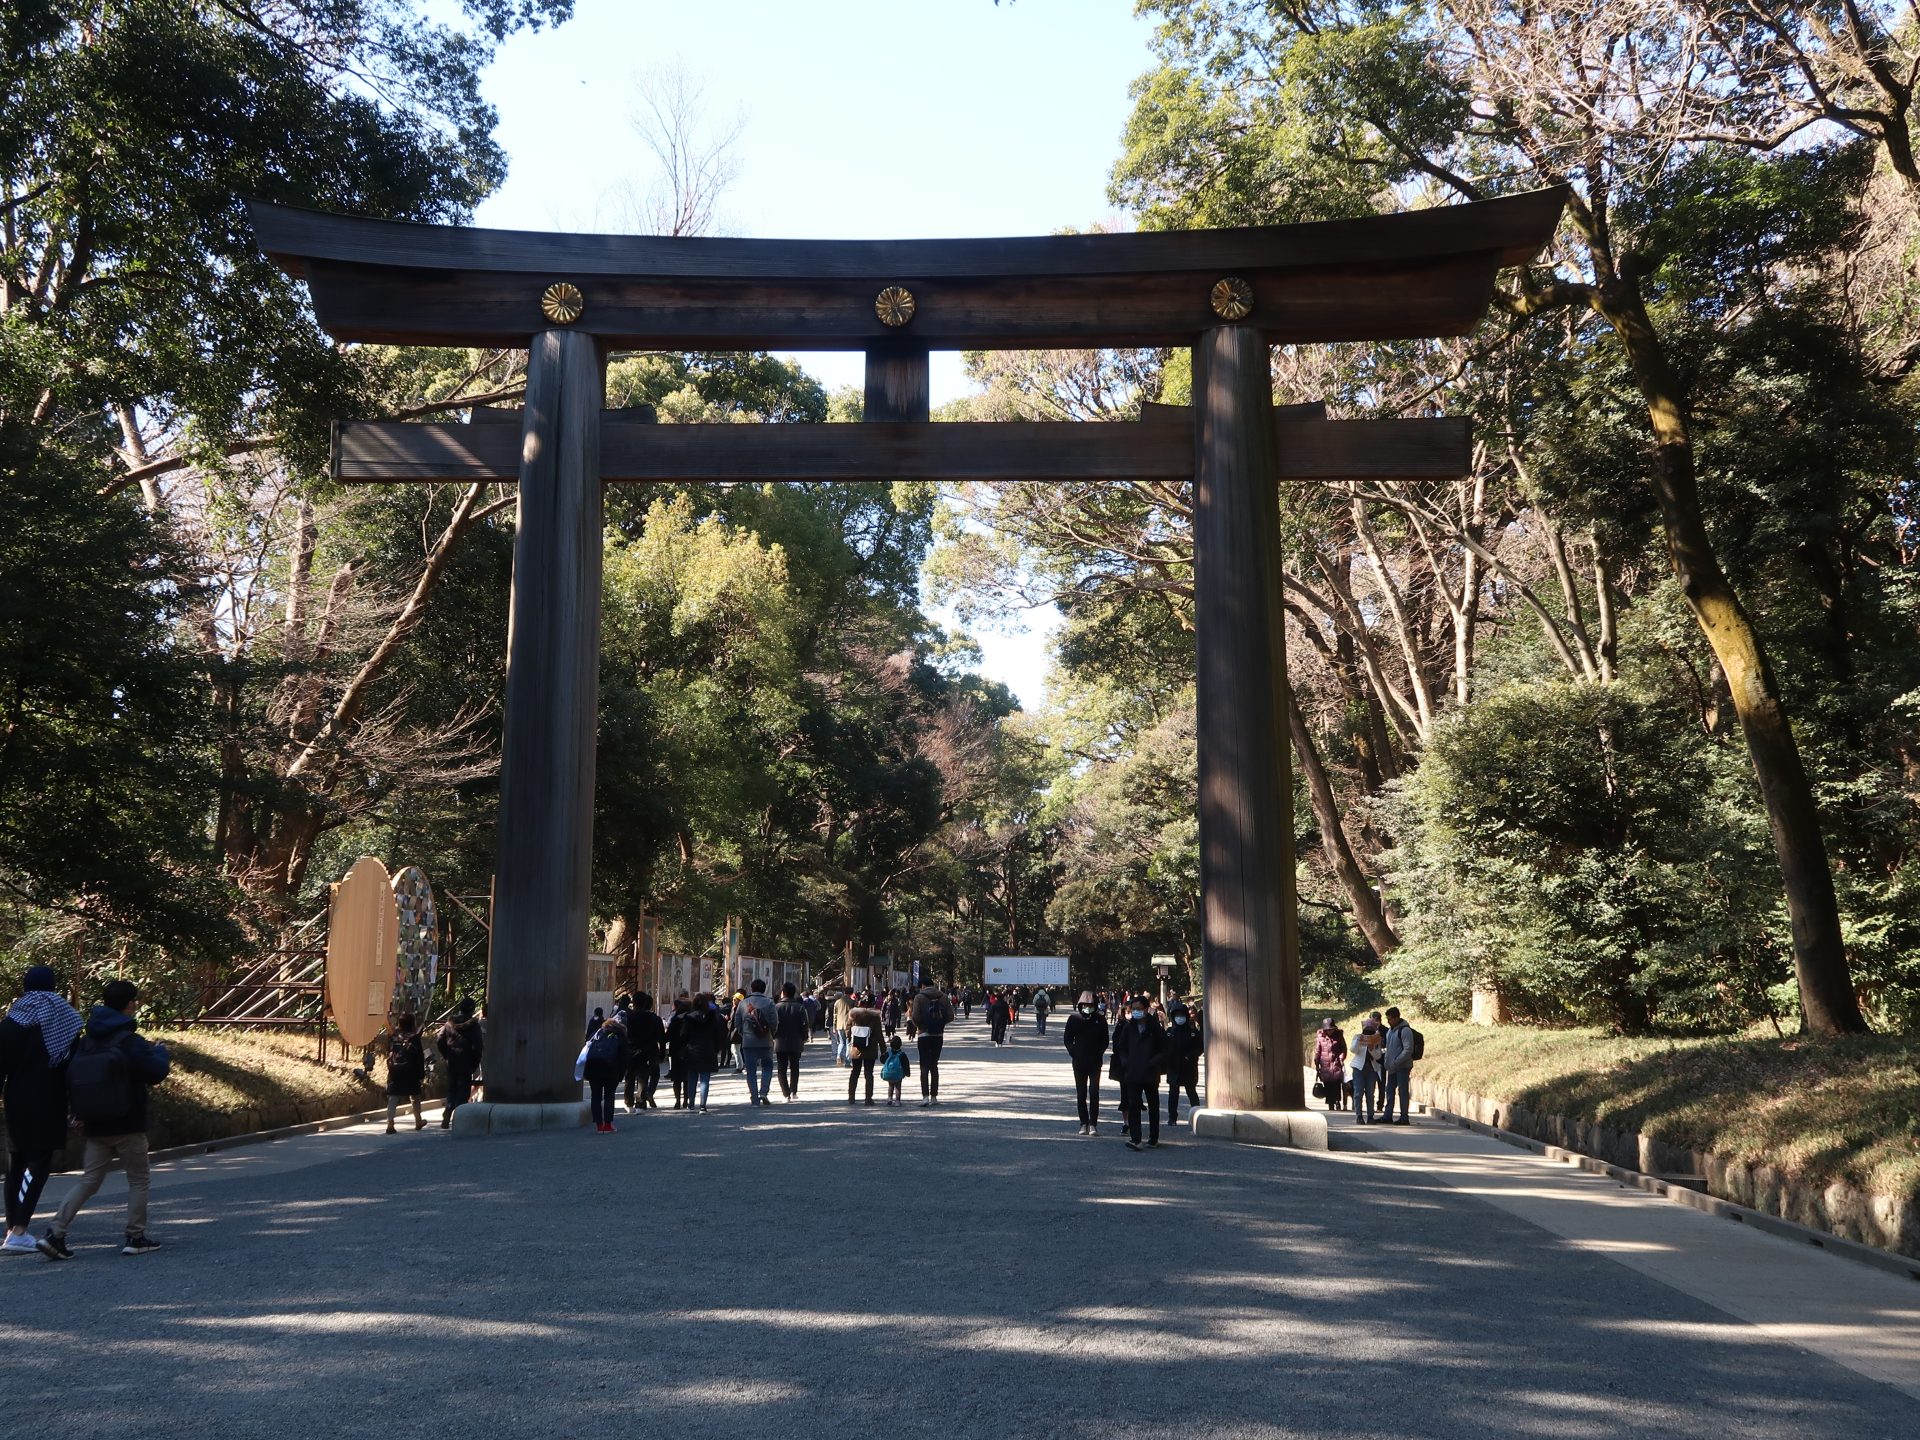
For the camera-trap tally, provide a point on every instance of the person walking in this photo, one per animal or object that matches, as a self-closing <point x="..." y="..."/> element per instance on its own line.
<point x="1402" y="1049"/>
<point x="1085" y="1036"/>
<point x="793" y="1022"/>
<point x="1330" y="1062"/>
<point x="702" y="1033"/>
<point x="1042" y="1007"/>
<point x="462" y="1043"/>
<point x="36" y="1039"/>
<point x="999" y="1016"/>
<point x="602" y="1063"/>
<point x="1185" y="1045"/>
<point x="842" y="1017"/>
<point x="646" y="1042"/>
<point x="863" y="1048"/>
<point x="108" y="1075"/>
<point x="932" y="1013"/>
<point x="1363" y="1065"/>
<point x="1139" y="1050"/>
<point x="754" y="1018"/>
<point x="406" y="1070"/>
<point x="892" y="1011"/>
<point x="966" y="1002"/>
<point x="895" y="1069"/>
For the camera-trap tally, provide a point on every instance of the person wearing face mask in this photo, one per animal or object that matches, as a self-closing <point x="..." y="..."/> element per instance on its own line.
<point x="1183" y="1060"/>
<point x="1140" y="1053"/>
<point x="1086" y="1036"/>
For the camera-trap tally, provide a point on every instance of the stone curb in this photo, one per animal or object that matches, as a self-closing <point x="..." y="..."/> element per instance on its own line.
<point x="285" y="1132"/>
<point x="1888" y="1260"/>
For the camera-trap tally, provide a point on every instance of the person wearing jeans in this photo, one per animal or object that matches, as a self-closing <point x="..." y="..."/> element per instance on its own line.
<point x="119" y="1136"/>
<point x="1399" y="1067"/>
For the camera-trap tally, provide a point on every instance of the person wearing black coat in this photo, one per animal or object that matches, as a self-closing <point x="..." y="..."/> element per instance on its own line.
<point x="1140" y="1054"/>
<point x="702" y="1033"/>
<point x="792" y="1023"/>
<point x="461" y="1044"/>
<point x="406" y="1070"/>
<point x="999" y="1016"/>
<point x="1085" y="1036"/>
<point x="35" y="1040"/>
<point x="647" y="1034"/>
<point x="1184" y="1048"/>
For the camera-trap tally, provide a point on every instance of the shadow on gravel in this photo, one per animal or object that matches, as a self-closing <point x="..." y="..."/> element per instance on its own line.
<point x="820" y="1270"/>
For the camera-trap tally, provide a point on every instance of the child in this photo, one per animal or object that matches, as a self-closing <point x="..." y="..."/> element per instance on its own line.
<point x="894" y="1069"/>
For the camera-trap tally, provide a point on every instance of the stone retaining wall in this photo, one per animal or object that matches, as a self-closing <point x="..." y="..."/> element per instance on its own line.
<point x="1839" y="1209"/>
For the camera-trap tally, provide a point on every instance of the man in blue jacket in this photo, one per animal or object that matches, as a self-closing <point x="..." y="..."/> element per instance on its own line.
<point x="119" y="1130"/>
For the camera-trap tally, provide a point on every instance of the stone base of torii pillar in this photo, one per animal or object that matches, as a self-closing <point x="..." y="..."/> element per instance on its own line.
<point x="1300" y="1129"/>
<point x="500" y="1117"/>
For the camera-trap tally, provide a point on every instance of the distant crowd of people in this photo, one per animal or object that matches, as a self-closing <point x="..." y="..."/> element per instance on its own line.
<point x="54" y="1065"/>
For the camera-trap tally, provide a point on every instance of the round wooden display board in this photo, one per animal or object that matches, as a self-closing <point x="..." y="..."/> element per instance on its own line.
<point x="416" y="966"/>
<point x="363" y="928"/>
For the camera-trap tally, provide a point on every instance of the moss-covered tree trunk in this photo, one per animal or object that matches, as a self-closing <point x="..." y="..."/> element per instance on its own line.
<point x="1827" y="996"/>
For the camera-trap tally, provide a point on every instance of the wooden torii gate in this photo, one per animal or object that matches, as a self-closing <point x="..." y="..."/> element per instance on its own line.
<point x="1229" y="294"/>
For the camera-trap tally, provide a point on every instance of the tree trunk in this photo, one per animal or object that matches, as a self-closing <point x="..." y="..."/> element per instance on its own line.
<point x="1367" y="913"/>
<point x="1827" y="998"/>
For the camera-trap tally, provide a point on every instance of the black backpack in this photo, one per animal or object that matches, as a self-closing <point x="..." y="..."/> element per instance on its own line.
<point x="100" y="1083"/>
<point x="604" y="1053"/>
<point x="1416" y="1044"/>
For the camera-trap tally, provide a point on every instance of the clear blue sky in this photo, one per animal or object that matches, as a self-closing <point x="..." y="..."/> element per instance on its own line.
<point x="864" y="118"/>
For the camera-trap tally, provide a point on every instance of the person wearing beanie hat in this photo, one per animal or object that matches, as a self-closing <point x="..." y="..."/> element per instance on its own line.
<point x="36" y="1039"/>
<point x="1085" y="1036"/>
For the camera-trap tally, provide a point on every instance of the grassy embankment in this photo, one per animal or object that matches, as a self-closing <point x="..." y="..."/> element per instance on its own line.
<point x="233" y="1082"/>
<point x="1819" y="1110"/>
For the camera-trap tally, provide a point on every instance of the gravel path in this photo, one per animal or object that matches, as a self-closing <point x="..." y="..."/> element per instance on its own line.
<point x="824" y="1270"/>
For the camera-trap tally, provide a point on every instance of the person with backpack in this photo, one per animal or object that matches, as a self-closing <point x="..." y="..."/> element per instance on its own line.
<point x="1085" y="1036"/>
<point x="647" y="1042"/>
<point x="1042" y="1007"/>
<point x="601" y="1063"/>
<point x="461" y="1043"/>
<point x="754" y="1018"/>
<point x="1139" y="1053"/>
<point x="895" y="1069"/>
<point x="932" y="1013"/>
<point x="1185" y="1044"/>
<point x="36" y="1039"/>
<point x="108" y="1075"/>
<point x="406" y="1070"/>
<point x="863" y="1048"/>
<point x="1404" y="1046"/>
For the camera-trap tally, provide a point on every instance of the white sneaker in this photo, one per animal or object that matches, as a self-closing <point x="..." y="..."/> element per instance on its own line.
<point x="19" y="1245"/>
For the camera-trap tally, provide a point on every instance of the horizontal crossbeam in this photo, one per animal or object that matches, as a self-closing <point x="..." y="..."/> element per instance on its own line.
<point x="1310" y="450"/>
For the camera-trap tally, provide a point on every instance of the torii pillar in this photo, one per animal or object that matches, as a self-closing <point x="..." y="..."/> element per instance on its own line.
<point x="545" y="871"/>
<point x="1250" y="941"/>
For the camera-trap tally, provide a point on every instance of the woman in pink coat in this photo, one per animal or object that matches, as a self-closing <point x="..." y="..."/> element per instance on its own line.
<point x="1330" y="1062"/>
